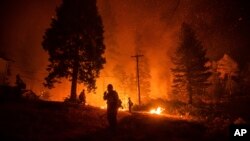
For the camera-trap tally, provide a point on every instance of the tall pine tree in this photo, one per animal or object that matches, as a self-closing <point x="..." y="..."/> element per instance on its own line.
<point x="190" y="73"/>
<point x="75" y="46"/>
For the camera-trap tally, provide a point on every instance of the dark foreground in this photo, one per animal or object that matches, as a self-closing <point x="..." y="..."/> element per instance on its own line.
<point x="56" y="121"/>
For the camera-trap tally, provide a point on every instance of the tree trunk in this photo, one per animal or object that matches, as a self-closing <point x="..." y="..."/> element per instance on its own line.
<point x="74" y="78"/>
<point x="190" y="94"/>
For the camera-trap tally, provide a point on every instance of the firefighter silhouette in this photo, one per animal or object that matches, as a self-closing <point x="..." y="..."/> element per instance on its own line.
<point x="82" y="97"/>
<point x="113" y="103"/>
<point x="130" y="104"/>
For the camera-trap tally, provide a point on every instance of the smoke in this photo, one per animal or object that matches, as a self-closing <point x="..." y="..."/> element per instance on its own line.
<point x="146" y="25"/>
<point x="23" y="24"/>
<point x="149" y="25"/>
<point x="153" y="27"/>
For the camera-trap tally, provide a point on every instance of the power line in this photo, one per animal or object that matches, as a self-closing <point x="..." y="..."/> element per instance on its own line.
<point x="137" y="56"/>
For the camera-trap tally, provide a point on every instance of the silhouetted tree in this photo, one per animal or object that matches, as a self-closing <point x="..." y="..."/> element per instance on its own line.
<point x="75" y="46"/>
<point x="190" y="73"/>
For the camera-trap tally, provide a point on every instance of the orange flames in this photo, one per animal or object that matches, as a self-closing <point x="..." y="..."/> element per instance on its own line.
<point x="103" y="107"/>
<point x="157" y="111"/>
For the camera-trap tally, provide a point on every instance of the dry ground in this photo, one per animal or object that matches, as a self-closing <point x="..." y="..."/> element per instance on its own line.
<point x="47" y="121"/>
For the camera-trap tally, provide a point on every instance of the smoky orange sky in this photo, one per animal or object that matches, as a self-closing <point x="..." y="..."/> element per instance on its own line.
<point x="150" y="25"/>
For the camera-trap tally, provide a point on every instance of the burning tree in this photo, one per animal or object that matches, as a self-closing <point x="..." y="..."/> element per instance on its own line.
<point x="190" y="73"/>
<point x="75" y="46"/>
<point x="224" y="78"/>
<point x="228" y="70"/>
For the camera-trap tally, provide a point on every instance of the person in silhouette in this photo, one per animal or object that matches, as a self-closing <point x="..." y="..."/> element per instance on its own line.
<point x="112" y="106"/>
<point x="130" y="104"/>
<point x="19" y="82"/>
<point x="20" y="86"/>
<point x="82" y="97"/>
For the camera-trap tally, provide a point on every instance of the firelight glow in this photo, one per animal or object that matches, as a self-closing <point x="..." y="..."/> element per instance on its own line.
<point x="103" y="107"/>
<point x="157" y="111"/>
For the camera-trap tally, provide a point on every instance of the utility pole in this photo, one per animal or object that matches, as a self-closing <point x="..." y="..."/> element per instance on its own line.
<point x="138" y="76"/>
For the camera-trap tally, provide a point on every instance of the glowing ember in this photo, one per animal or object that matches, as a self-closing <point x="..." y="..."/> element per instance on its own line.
<point x="157" y="111"/>
<point x="103" y="107"/>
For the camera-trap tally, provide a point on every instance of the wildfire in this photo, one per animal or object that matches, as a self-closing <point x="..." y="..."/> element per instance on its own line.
<point x="157" y="111"/>
<point x="103" y="107"/>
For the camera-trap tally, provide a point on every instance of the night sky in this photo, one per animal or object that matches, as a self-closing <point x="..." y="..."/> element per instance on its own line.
<point x="152" y="25"/>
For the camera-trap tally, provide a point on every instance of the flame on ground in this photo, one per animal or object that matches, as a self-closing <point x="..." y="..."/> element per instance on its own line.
<point x="157" y="111"/>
